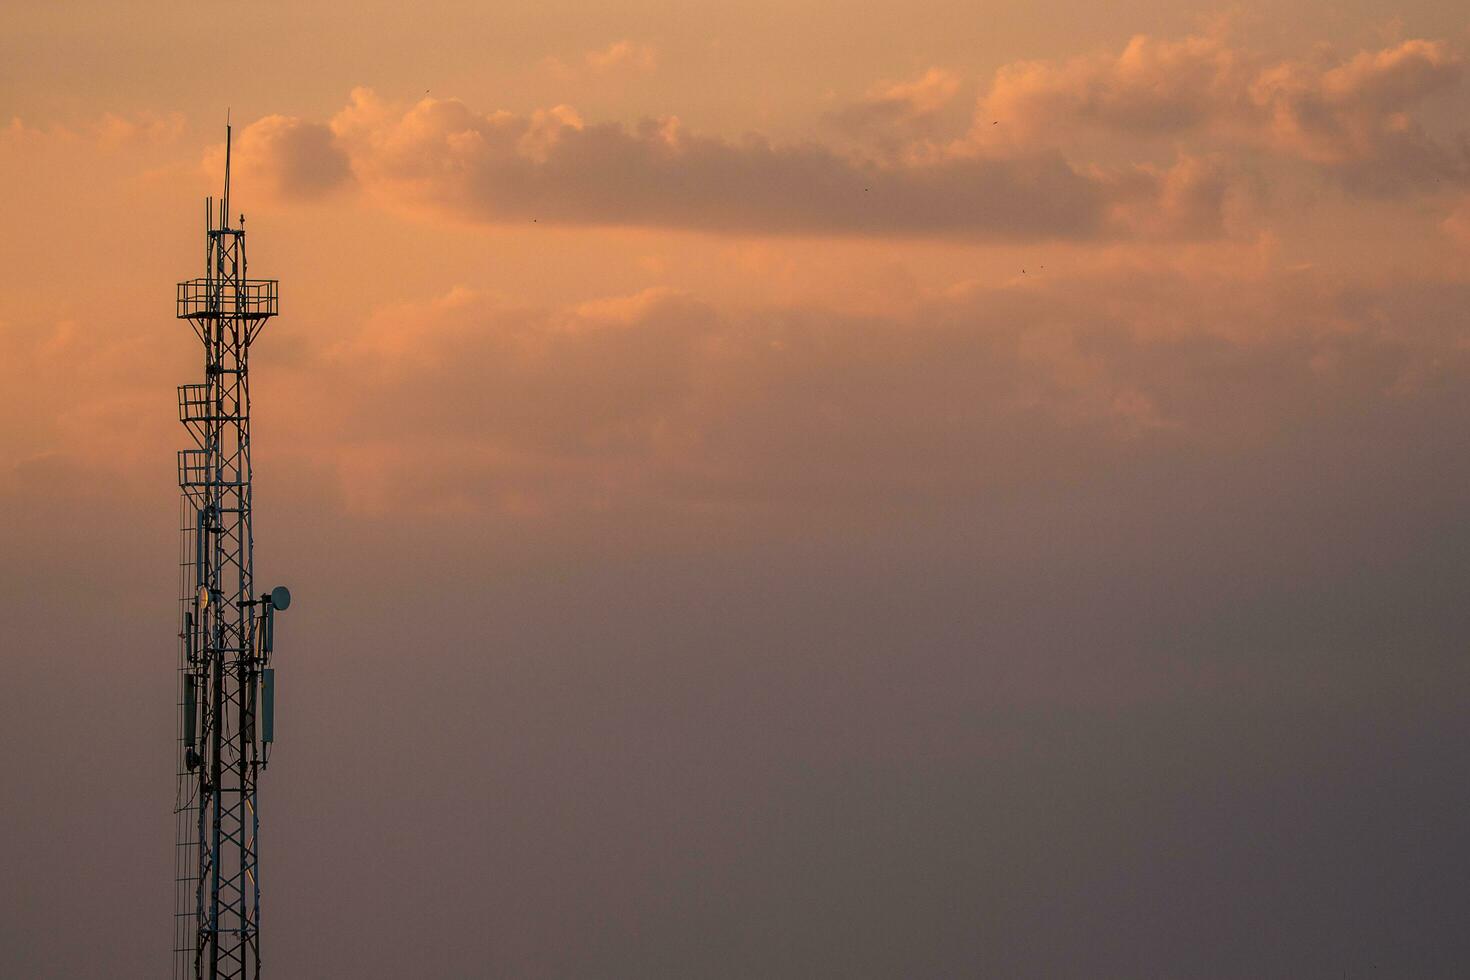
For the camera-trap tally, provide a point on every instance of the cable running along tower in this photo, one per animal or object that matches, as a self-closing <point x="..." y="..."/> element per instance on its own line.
<point x="226" y="684"/>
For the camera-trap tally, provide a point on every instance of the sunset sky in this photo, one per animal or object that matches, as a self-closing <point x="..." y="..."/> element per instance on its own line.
<point x="771" y="490"/>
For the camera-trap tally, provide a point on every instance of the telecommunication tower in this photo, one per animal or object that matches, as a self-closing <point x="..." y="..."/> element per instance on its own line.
<point x="226" y="684"/>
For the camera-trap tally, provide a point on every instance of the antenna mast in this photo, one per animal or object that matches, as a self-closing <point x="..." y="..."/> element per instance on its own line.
<point x="226" y="684"/>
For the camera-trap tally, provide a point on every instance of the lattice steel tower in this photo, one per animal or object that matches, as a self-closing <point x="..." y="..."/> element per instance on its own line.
<point x="226" y="683"/>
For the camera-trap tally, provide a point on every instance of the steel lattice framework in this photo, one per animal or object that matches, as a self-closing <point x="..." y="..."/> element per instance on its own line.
<point x="225" y="682"/>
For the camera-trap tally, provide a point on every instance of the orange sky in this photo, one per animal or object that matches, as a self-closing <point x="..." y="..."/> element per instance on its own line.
<point x="747" y="168"/>
<point x="1113" y="323"/>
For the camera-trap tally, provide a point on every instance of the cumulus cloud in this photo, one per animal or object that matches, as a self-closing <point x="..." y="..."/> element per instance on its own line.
<point x="663" y="397"/>
<point x="1329" y="113"/>
<point x="1457" y="225"/>
<point x="551" y="166"/>
<point x="896" y="112"/>
<point x="1354" y="116"/>
<point x="1192" y="199"/>
<point x="110" y="131"/>
<point x="623" y="56"/>
<point x="115" y="130"/>
<point x="1152" y="86"/>
<point x="1222" y="108"/>
<point x="1351" y="116"/>
<point x="285" y="157"/>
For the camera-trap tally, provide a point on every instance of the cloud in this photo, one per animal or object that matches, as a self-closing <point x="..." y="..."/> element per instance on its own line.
<point x="1350" y="116"/>
<point x="115" y="130"/>
<point x="1353" y="117"/>
<point x="1192" y="199"/>
<point x="285" y="157"/>
<point x="661" y="399"/>
<point x="1225" y="112"/>
<point x="109" y="131"/>
<point x="1152" y="86"/>
<point x="623" y="54"/>
<point x="623" y="57"/>
<point x="1457" y="225"/>
<point x="552" y="167"/>
<point x="896" y="112"/>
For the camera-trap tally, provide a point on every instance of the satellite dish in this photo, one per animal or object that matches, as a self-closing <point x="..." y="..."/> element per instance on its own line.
<point x="203" y="597"/>
<point x="281" y="597"/>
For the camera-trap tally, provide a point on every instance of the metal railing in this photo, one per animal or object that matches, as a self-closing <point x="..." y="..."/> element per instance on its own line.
<point x="193" y="469"/>
<point x="255" y="298"/>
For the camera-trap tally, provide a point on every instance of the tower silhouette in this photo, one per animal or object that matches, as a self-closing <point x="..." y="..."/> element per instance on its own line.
<point x="226" y="684"/>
